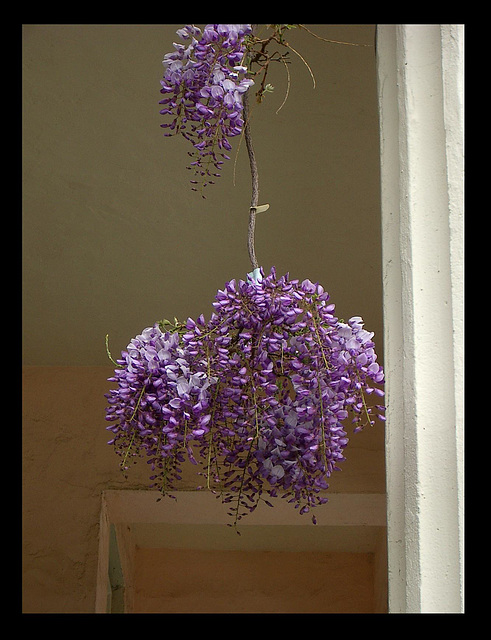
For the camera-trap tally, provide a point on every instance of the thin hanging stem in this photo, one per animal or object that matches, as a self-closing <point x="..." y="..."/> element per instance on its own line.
<point x="254" y="178"/>
<point x="351" y="44"/>
<point x="255" y="184"/>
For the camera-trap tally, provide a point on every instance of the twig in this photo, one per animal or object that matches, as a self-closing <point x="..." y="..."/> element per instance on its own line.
<point x="255" y="184"/>
<point x="287" y="89"/>
<point x="303" y="60"/>
<point x="351" y="44"/>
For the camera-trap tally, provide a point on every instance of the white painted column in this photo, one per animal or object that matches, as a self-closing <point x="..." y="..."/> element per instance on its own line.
<point x="420" y="76"/>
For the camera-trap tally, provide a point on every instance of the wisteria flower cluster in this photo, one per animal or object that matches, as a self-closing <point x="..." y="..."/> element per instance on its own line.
<point x="257" y="397"/>
<point x="204" y="82"/>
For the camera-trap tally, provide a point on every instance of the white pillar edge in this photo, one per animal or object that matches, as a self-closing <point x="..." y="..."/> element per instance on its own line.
<point x="420" y="78"/>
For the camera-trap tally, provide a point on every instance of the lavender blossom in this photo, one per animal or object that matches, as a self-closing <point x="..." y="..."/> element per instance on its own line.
<point x="204" y="81"/>
<point x="258" y="396"/>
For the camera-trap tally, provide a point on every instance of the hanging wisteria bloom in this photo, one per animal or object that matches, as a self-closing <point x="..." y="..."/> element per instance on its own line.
<point x="203" y="84"/>
<point x="259" y="396"/>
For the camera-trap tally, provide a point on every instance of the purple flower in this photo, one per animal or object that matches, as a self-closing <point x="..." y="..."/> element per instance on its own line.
<point x="258" y="396"/>
<point x="203" y="84"/>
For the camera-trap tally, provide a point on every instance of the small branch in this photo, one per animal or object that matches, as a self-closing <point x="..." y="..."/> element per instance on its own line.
<point x="250" y="242"/>
<point x="303" y="60"/>
<point x="351" y="44"/>
<point x="254" y="181"/>
<point x="287" y="89"/>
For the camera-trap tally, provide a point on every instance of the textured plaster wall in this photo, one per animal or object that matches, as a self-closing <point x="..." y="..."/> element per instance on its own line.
<point x="197" y="581"/>
<point x="65" y="467"/>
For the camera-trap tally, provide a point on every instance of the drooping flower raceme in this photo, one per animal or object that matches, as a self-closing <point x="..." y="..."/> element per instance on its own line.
<point x="203" y="84"/>
<point x="258" y="396"/>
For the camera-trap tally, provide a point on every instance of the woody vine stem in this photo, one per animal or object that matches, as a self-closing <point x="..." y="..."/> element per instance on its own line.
<point x="254" y="178"/>
<point x="262" y="58"/>
<point x="255" y="184"/>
